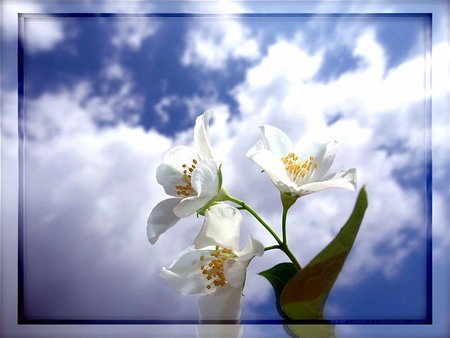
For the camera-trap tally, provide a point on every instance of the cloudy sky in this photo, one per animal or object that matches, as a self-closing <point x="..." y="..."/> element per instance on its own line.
<point x="106" y="96"/>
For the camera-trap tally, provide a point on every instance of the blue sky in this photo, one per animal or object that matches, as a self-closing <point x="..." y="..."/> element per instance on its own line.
<point x="106" y="97"/>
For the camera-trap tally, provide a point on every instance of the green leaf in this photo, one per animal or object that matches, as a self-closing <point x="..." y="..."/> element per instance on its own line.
<point x="278" y="276"/>
<point x="310" y="331"/>
<point x="304" y="296"/>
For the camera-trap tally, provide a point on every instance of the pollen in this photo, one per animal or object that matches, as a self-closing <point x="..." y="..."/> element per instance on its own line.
<point x="214" y="270"/>
<point x="186" y="189"/>
<point x="297" y="168"/>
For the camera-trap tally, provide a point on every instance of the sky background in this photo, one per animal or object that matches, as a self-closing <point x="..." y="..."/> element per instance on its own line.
<point x="106" y="97"/>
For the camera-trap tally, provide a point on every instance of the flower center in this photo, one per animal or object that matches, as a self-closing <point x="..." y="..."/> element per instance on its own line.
<point x="296" y="167"/>
<point x="213" y="271"/>
<point x="187" y="189"/>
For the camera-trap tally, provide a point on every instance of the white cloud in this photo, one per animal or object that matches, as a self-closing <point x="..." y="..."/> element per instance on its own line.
<point x="162" y="104"/>
<point x="113" y="103"/>
<point x="41" y="33"/>
<point x="89" y="192"/>
<point x="211" y="43"/>
<point x="114" y="71"/>
<point x="128" y="31"/>
<point x="193" y="106"/>
<point x="131" y="32"/>
<point x="377" y="113"/>
<point x="63" y="117"/>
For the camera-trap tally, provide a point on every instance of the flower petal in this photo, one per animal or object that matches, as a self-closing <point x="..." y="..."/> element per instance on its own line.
<point x="253" y="248"/>
<point x="256" y="148"/>
<point x="205" y="181"/>
<point x="235" y="271"/>
<point x="275" y="140"/>
<point x="179" y="155"/>
<point x="169" y="177"/>
<point x="223" y="304"/>
<point x="189" y="205"/>
<point x="345" y="179"/>
<point x="307" y="147"/>
<point x="170" y="172"/>
<point x="221" y="227"/>
<point x="184" y="275"/>
<point x="324" y="160"/>
<point x="201" y="135"/>
<point x="161" y="218"/>
<point x="274" y="167"/>
<point x="219" y="331"/>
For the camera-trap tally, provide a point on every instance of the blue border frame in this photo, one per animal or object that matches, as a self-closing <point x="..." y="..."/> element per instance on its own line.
<point x="21" y="186"/>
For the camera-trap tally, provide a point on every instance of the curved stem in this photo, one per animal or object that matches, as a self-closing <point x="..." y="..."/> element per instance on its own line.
<point x="260" y="220"/>
<point x="282" y="245"/>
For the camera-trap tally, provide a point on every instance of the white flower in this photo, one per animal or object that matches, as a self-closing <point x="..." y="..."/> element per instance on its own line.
<point x="214" y="266"/>
<point x="299" y="172"/>
<point x="190" y="176"/>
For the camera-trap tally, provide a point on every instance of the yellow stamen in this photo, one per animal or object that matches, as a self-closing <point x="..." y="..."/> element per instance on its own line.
<point x="187" y="189"/>
<point x="296" y="167"/>
<point x="213" y="271"/>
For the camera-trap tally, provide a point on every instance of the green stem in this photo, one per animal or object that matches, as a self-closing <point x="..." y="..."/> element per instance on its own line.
<point x="291" y="256"/>
<point x="281" y="244"/>
<point x="267" y="248"/>
<point x="260" y="220"/>
<point x="283" y="224"/>
<point x="287" y="201"/>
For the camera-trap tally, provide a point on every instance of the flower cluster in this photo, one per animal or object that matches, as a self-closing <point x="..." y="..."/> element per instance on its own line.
<point x="214" y="265"/>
